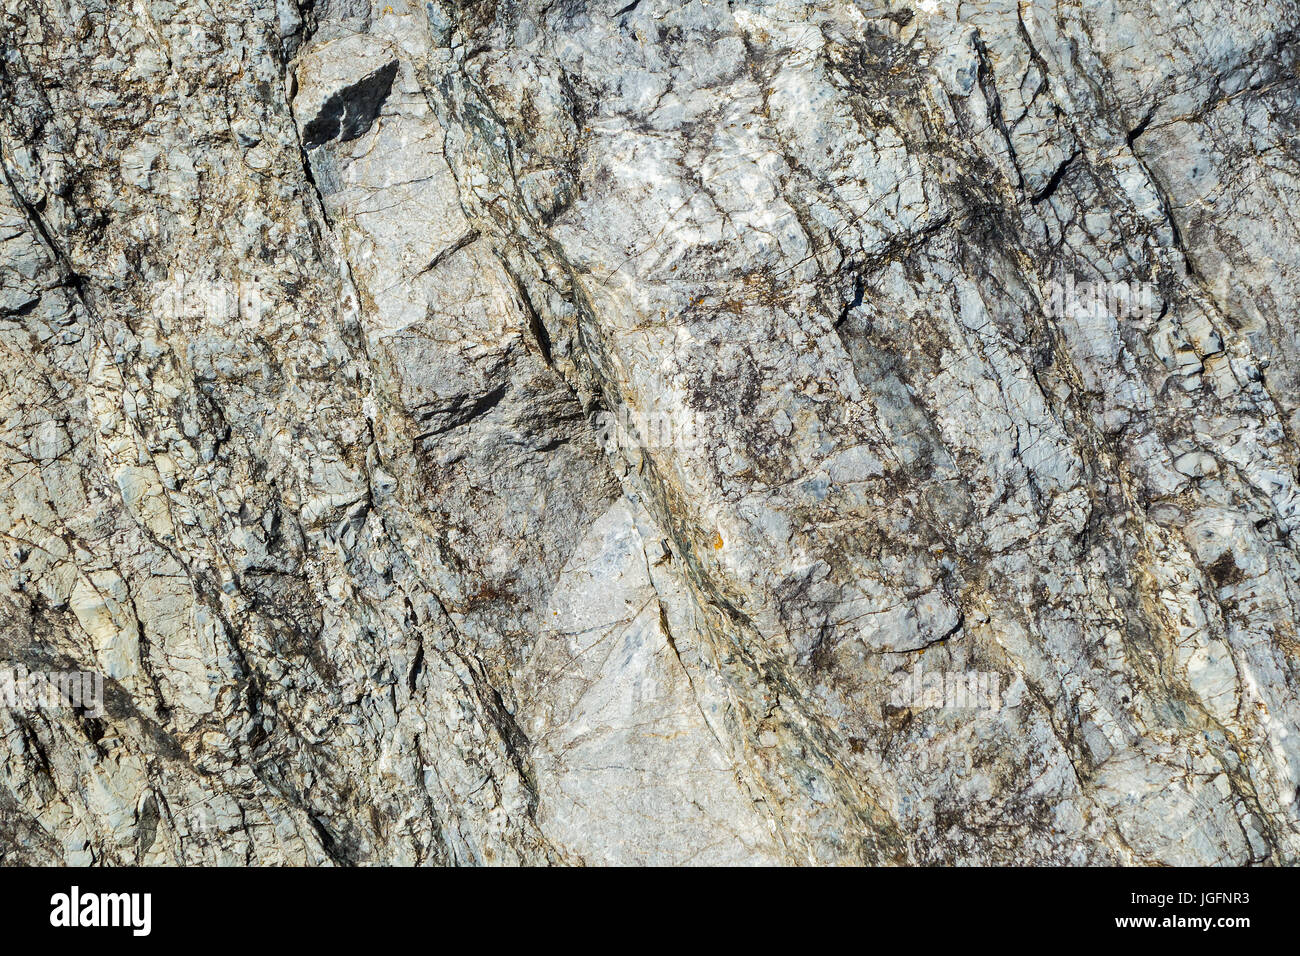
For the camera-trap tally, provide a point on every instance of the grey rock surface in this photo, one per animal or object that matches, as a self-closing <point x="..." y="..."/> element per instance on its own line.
<point x="550" y="431"/>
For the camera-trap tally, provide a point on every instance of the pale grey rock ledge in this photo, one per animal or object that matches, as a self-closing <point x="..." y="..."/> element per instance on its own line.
<point x="548" y="432"/>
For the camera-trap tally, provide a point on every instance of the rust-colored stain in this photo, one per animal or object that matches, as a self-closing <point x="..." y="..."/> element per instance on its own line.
<point x="717" y="541"/>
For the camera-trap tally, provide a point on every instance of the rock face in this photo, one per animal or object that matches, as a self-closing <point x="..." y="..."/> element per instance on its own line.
<point x="550" y="431"/>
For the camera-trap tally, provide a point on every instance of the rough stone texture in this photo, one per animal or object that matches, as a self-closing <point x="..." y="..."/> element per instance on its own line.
<point x="379" y="566"/>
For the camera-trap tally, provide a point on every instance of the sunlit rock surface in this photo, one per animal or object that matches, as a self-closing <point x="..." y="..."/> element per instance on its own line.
<point x="780" y="431"/>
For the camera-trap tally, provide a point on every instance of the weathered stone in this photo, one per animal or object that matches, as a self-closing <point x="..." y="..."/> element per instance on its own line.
<point x="829" y="431"/>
